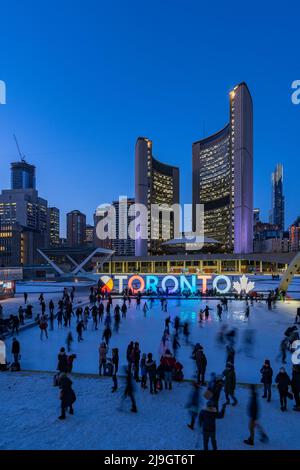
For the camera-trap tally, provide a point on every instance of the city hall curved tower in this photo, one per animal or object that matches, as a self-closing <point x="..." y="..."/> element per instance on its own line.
<point x="223" y="177"/>
<point x="155" y="183"/>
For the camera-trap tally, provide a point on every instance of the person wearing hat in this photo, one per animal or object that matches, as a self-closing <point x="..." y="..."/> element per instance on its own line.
<point x="296" y="386"/>
<point x="193" y="404"/>
<point x="207" y="421"/>
<point x="67" y="395"/>
<point x="229" y="383"/>
<point x="266" y="379"/>
<point x="15" y="349"/>
<point x="253" y="414"/>
<point x="283" y="381"/>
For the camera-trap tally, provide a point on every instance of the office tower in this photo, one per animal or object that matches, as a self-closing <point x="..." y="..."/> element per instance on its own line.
<point x="76" y="225"/>
<point x="22" y="175"/>
<point x="23" y="226"/>
<point x="123" y="244"/>
<point x="155" y="183"/>
<point x="53" y="226"/>
<point x="277" y="210"/>
<point x="89" y="235"/>
<point x="223" y="177"/>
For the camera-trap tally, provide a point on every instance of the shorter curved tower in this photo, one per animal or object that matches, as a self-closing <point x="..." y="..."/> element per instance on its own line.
<point x="155" y="183"/>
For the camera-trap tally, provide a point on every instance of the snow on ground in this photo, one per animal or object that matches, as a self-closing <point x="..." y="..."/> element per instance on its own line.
<point x="267" y="326"/>
<point x="29" y="419"/>
<point x="12" y="304"/>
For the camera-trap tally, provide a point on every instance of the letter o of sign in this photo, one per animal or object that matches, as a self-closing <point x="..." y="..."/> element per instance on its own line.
<point x="222" y="278"/>
<point x="141" y="281"/>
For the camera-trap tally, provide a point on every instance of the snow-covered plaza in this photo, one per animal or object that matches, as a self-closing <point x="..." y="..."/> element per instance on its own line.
<point x="33" y="405"/>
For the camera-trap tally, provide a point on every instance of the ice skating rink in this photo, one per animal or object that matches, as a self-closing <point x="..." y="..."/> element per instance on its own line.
<point x="267" y="328"/>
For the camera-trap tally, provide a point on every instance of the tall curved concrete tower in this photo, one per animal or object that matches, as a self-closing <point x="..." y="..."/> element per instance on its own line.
<point x="155" y="183"/>
<point x="223" y="177"/>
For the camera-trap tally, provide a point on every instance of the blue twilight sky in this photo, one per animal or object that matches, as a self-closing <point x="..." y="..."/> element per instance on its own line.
<point x="86" y="78"/>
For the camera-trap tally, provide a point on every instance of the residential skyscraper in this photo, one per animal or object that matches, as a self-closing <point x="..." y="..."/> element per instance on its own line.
<point x="101" y="215"/>
<point x="76" y="226"/>
<point x="277" y="210"/>
<point x="223" y="177"/>
<point x="22" y="175"/>
<point x="155" y="183"/>
<point x="53" y="226"/>
<point x="89" y="235"/>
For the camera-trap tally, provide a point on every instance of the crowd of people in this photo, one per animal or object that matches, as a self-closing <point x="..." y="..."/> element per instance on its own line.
<point x="158" y="376"/>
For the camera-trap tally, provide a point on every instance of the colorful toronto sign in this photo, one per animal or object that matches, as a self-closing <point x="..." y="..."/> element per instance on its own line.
<point x="137" y="283"/>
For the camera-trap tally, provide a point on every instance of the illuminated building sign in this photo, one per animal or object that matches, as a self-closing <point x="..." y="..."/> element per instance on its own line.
<point x="137" y="283"/>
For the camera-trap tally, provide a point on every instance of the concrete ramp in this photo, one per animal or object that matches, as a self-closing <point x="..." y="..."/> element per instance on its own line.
<point x="292" y="269"/>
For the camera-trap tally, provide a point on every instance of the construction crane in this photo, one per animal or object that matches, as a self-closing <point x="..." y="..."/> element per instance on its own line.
<point x="22" y="156"/>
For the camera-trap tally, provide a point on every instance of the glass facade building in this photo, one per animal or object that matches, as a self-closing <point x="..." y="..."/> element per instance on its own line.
<point x="156" y="183"/>
<point x="277" y="211"/>
<point x="22" y="175"/>
<point x="223" y="178"/>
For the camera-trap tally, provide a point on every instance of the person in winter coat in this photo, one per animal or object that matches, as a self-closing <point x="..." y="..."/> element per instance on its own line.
<point x="296" y="386"/>
<point x="143" y="371"/>
<point x="15" y="350"/>
<point x="67" y="395"/>
<point x="70" y="360"/>
<point x="201" y="363"/>
<point x="62" y="365"/>
<point x="130" y="348"/>
<point x="266" y="379"/>
<point x="43" y="324"/>
<point x="79" y="329"/>
<point x="136" y="361"/>
<point x="253" y="413"/>
<point x="175" y="345"/>
<point x="230" y="352"/>
<point x="229" y="383"/>
<point x="69" y="341"/>
<point x="51" y="306"/>
<point x="194" y="404"/>
<point x="168" y="363"/>
<point x="107" y="335"/>
<point x="151" y="371"/>
<point x="207" y="421"/>
<point x="283" y="381"/>
<point x="216" y="387"/>
<point x="129" y="391"/>
<point x="59" y="318"/>
<point x="103" y="349"/>
<point x="115" y="362"/>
